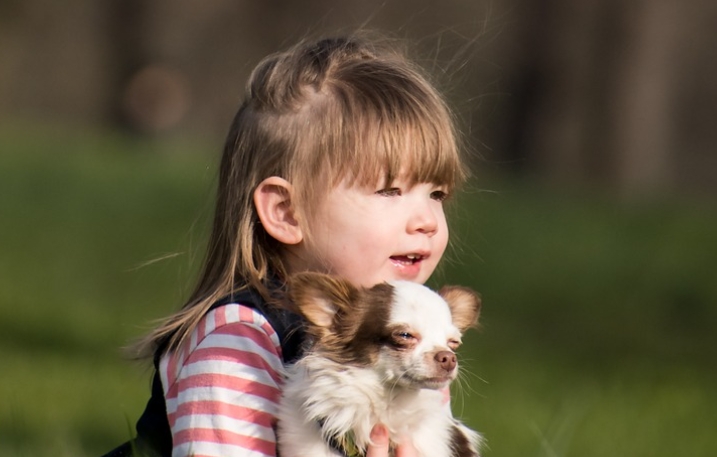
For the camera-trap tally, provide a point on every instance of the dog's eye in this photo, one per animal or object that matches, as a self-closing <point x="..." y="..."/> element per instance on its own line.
<point x="403" y="338"/>
<point x="453" y="344"/>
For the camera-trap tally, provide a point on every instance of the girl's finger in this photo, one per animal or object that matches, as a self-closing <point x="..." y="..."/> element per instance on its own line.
<point x="379" y="439"/>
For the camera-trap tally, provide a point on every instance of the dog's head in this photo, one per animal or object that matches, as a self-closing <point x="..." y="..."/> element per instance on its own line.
<point x="404" y="330"/>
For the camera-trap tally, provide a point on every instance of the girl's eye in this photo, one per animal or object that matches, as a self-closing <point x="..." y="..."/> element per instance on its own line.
<point x="439" y="195"/>
<point x="389" y="192"/>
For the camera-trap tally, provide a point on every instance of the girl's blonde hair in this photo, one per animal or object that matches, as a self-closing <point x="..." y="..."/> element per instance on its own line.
<point x="319" y="113"/>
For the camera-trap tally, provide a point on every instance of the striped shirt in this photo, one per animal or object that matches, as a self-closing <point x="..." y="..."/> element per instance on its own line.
<point x="222" y="386"/>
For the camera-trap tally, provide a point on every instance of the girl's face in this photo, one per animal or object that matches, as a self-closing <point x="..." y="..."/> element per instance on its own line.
<point x="372" y="235"/>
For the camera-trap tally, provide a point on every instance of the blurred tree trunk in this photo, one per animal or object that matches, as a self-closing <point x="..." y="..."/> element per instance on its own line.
<point x="608" y="92"/>
<point x="128" y="43"/>
<point x="571" y="54"/>
<point x="643" y="105"/>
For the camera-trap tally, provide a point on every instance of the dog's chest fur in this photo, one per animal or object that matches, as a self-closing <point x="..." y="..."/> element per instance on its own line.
<point x="322" y="401"/>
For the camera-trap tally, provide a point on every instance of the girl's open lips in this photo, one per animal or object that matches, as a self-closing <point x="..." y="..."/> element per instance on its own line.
<point x="408" y="259"/>
<point x="408" y="265"/>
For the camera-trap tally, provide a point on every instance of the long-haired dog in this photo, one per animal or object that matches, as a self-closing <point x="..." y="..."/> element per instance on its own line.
<point x="384" y="354"/>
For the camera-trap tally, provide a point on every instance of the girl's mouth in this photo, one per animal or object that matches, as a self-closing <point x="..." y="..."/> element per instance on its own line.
<point x="408" y="259"/>
<point x="408" y="266"/>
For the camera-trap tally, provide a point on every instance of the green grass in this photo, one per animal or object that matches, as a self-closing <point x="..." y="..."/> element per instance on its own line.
<point x="81" y="214"/>
<point x="597" y="331"/>
<point x="597" y="316"/>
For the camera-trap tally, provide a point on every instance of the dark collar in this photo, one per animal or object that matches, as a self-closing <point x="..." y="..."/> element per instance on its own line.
<point x="345" y="445"/>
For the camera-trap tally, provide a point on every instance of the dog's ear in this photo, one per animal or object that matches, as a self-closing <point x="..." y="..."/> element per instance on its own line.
<point x="464" y="304"/>
<point x="320" y="297"/>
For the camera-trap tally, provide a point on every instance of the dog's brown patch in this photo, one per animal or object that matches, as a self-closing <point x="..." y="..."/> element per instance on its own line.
<point x="460" y="445"/>
<point x="465" y="306"/>
<point x="348" y="325"/>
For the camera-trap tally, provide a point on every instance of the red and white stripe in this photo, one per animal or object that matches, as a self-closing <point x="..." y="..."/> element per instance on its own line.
<point x="222" y="387"/>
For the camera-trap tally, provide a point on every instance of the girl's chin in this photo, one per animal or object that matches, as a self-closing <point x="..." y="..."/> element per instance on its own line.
<point x="394" y="272"/>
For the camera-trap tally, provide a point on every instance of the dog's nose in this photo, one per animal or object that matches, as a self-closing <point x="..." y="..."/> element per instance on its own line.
<point x="446" y="359"/>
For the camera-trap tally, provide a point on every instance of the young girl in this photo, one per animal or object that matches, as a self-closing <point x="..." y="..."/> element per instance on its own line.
<point x="338" y="160"/>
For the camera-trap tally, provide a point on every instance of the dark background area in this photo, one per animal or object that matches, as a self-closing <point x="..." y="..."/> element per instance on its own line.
<point x="617" y="93"/>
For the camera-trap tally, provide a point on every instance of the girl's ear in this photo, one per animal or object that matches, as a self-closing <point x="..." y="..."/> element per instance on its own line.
<point x="272" y="199"/>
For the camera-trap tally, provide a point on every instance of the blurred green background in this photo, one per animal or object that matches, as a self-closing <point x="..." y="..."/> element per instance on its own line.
<point x="589" y="227"/>
<point x="598" y="317"/>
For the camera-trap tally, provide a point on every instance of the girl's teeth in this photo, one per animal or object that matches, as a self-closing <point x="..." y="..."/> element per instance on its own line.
<point x="407" y="259"/>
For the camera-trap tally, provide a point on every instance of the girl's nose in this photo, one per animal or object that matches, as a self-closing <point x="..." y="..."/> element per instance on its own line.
<point x="423" y="219"/>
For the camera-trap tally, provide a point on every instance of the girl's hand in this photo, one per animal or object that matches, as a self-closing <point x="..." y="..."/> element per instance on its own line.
<point x="379" y="448"/>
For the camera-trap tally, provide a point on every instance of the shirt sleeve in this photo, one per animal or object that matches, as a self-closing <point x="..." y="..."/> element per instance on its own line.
<point x="225" y="396"/>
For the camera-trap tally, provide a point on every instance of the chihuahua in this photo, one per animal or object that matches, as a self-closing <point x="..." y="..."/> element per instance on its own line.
<point x="384" y="354"/>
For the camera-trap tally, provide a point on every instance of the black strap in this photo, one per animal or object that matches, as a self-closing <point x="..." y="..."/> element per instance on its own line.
<point x="154" y="437"/>
<point x="288" y="326"/>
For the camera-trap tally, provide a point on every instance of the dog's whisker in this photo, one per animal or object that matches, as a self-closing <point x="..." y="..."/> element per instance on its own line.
<point x="465" y="373"/>
<point x="465" y="385"/>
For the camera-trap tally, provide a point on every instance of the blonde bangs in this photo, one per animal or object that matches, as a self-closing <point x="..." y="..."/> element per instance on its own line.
<point x="416" y="147"/>
<point x="374" y="140"/>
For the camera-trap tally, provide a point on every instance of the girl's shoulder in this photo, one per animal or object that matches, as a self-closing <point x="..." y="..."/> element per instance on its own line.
<point x="222" y="319"/>
<point x="230" y="333"/>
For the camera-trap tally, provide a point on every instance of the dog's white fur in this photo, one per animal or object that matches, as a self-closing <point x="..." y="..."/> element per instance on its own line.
<point x="401" y="387"/>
